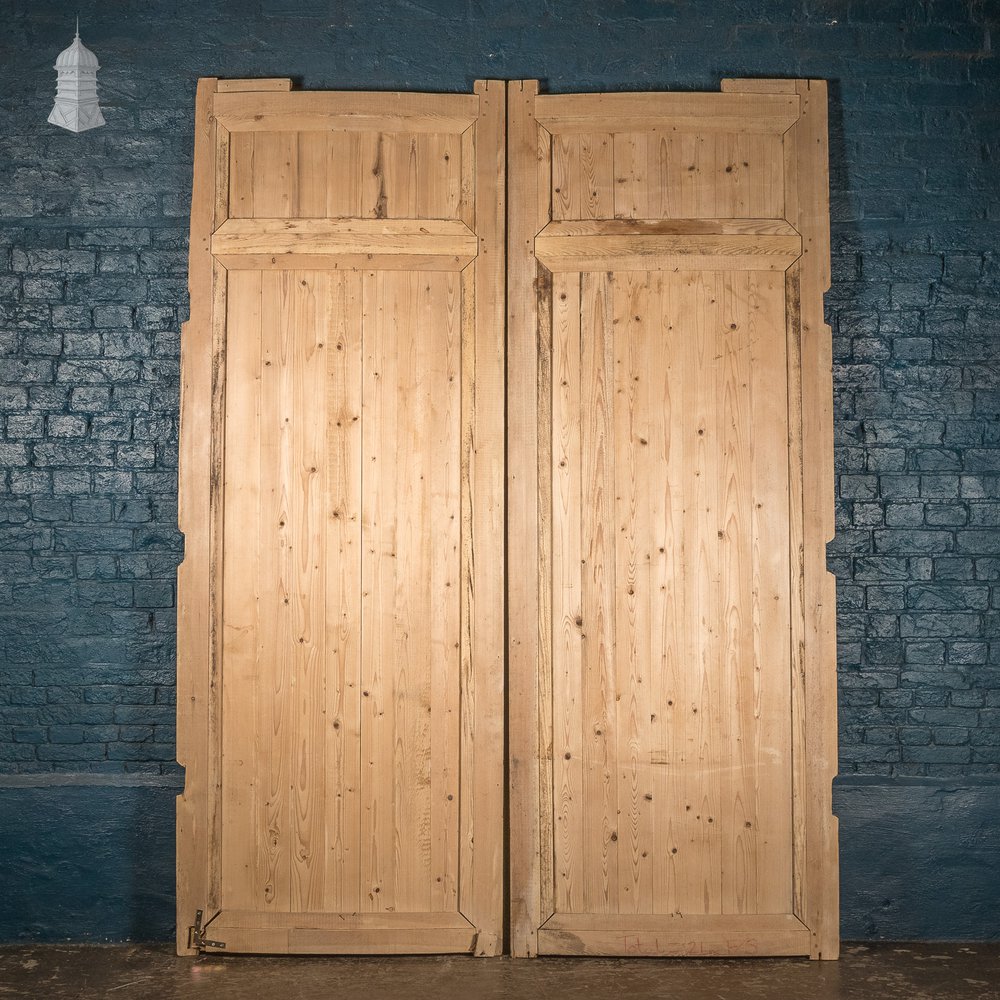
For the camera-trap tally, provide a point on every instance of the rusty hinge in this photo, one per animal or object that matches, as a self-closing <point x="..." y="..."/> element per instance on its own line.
<point x="196" y="935"/>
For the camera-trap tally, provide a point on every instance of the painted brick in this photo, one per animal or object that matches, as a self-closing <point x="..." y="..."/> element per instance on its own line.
<point x="95" y="285"/>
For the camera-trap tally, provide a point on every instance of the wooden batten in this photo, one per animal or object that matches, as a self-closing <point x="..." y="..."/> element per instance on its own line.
<point x="667" y="112"/>
<point x="562" y="247"/>
<point x="399" y="244"/>
<point x="304" y="111"/>
<point x="281" y="84"/>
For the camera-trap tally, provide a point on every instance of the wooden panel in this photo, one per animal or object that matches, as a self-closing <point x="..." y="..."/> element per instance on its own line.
<point x="665" y="175"/>
<point x="342" y="603"/>
<point x="676" y="371"/>
<point x="351" y="174"/>
<point x="669" y="811"/>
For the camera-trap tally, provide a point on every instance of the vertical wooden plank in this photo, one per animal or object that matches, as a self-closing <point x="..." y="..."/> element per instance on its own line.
<point x="813" y="219"/>
<point x="467" y="187"/>
<point x="770" y="713"/>
<point x="277" y="630"/>
<point x="275" y="175"/>
<point x="567" y="609"/>
<point x="401" y="159"/>
<point x="373" y="194"/>
<point x="378" y="588"/>
<point x="631" y="158"/>
<point x="522" y="520"/>
<point x="439" y="175"/>
<point x="344" y="174"/>
<point x="240" y="784"/>
<point x="241" y="175"/>
<point x="312" y="170"/>
<point x="546" y="602"/>
<point x="411" y="334"/>
<point x="684" y="150"/>
<point x="793" y="328"/>
<point x="443" y="301"/>
<point x="343" y="585"/>
<point x="628" y="530"/>
<point x="192" y="807"/>
<point x="481" y="897"/>
<point x="601" y="833"/>
<point x="565" y="172"/>
<point x="699" y="859"/>
<point x="595" y="177"/>
<point x="307" y="352"/>
<point x="741" y="686"/>
<point x="665" y="387"/>
<point x="806" y="206"/>
<point x="662" y="173"/>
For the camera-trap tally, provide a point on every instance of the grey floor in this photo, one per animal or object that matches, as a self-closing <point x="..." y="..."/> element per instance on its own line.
<point x="872" y="972"/>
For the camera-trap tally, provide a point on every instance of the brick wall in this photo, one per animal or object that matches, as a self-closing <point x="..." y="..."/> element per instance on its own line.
<point x="93" y="283"/>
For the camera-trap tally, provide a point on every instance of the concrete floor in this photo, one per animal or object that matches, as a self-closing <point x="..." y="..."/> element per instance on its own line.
<point x="150" y="972"/>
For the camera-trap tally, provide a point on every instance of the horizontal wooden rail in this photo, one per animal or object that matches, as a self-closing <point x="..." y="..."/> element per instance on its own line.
<point x="688" y="244"/>
<point x="342" y="934"/>
<point x="390" y="244"/>
<point x="674" y="112"/>
<point x="318" y="111"/>
<point x="673" y="935"/>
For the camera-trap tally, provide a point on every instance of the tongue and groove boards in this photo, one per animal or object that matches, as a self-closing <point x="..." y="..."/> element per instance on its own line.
<point x="670" y="682"/>
<point x="672" y="709"/>
<point x="341" y="631"/>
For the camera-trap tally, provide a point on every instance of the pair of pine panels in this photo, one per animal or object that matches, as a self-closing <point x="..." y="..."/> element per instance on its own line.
<point x="349" y="393"/>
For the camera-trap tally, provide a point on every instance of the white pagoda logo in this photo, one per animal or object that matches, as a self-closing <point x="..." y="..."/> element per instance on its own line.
<point x="76" y="106"/>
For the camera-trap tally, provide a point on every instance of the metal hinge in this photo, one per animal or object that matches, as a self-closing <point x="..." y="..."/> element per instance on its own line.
<point x="196" y="935"/>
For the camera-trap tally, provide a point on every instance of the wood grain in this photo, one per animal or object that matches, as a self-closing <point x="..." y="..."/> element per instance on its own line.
<point x="263" y="83"/>
<point x="656" y="113"/>
<point x="674" y="936"/>
<point x="666" y="525"/>
<point x="360" y="239"/>
<point x="300" y="111"/>
<point x="482" y="462"/>
<point x="647" y="249"/>
<point x="197" y="807"/>
<point x="807" y="207"/>
<point x="525" y="630"/>
<point x="344" y="455"/>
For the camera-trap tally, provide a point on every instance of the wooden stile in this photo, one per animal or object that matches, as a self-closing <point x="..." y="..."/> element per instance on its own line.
<point x="671" y="667"/>
<point x="340" y="660"/>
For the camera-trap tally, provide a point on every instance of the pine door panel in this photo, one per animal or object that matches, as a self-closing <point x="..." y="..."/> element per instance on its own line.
<point x="341" y="630"/>
<point x="672" y="711"/>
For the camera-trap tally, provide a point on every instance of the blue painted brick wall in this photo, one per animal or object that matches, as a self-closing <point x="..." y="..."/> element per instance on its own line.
<point x="93" y="241"/>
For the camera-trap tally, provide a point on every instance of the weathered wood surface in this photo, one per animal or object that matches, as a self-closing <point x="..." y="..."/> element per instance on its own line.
<point x="341" y="602"/>
<point x="667" y="375"/>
